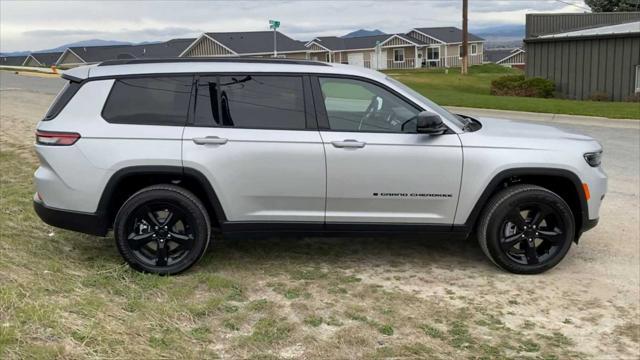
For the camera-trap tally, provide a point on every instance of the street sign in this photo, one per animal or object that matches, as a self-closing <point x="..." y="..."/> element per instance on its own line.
<point x="274" y="24"/>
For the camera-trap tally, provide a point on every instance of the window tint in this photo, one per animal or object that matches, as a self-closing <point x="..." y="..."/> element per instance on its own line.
<point x="354" y="105"/>
<point x="207" y="110"/>
<point x="62" y="99"/>
<point x="149" y="100"/>
<point x="262" y="102"/>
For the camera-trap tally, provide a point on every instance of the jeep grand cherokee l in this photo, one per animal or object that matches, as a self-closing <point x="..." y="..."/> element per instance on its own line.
<point x="164" y="152"/>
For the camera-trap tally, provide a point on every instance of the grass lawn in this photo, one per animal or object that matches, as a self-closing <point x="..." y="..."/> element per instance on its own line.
<point x="453" y="89"/>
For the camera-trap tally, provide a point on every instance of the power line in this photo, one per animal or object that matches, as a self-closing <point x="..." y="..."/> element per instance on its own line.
<point x="572" y="4"/>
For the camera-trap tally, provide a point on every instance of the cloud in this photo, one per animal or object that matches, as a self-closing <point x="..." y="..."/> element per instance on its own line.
<point x="47" y="24"/>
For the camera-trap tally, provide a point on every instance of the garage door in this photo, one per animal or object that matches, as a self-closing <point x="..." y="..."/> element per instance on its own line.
<point x="356" y="59"/>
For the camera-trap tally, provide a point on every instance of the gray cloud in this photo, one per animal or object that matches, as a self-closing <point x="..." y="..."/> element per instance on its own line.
<point x="39" y="25"/>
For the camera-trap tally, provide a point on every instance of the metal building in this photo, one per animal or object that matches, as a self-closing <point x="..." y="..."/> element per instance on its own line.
<point x="586" y="55"/>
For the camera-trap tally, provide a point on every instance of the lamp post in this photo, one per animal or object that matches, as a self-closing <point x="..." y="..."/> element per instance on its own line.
<point x="274" y="24"/>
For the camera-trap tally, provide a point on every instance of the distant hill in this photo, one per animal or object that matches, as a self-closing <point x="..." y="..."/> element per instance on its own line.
<point x="363" y="32"/>
<point x="500" y="32"/>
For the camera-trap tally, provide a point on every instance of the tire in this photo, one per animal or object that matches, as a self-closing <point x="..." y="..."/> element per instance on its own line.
<point x="526" y="229"/>
<point x="162" y="229"/>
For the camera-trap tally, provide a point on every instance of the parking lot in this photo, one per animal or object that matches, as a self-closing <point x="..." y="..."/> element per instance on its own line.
<point x="70" y="295"/>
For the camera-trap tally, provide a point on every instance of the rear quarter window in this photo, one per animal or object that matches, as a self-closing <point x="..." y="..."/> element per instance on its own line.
<point x="62" y="99"/>
<point x="149" y="101"/>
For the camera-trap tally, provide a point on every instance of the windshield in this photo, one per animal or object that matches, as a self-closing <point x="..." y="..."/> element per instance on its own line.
<point x="433" y="106"/>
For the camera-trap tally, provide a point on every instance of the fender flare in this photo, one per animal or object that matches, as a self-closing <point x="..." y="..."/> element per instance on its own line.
<point x="178" y="171"/>
<point x="505" y="175"/>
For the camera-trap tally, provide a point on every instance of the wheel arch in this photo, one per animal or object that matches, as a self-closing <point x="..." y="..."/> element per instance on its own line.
<point x="563" y="182"/>
<point x="126" y="181"/>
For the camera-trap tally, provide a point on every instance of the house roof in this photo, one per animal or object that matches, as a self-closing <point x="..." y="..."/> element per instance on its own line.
<point x="47" y="58"/>
<point x="92" y="54"/>
<point x="12" y="60"/>
<point x="447" y="34"/>
<point x="252" y="42"/>
<point x="168" y="49"/>
<point x="335" y="43"/>
<point x="495" y="55"/>
<point x="624" y="28"/>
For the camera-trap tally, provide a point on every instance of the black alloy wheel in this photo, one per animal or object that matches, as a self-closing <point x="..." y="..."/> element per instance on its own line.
<point x="162" y="229"/>
<point x="526" y="229"/>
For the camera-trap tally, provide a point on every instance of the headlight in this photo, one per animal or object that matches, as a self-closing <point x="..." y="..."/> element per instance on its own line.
<point x="594" y="158"/>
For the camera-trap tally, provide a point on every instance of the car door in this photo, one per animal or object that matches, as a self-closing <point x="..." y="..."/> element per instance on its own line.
<point x="379" y="169"/>
<point x="255" y="139"/>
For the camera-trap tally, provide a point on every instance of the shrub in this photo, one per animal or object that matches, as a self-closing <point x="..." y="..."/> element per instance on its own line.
<point x="599" y="96"/>
<point x="518" y="85"/>
<point x="633" y="98"/>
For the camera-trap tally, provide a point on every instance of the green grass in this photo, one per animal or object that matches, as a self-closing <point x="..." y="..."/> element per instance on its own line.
<point x="473" y="90"/>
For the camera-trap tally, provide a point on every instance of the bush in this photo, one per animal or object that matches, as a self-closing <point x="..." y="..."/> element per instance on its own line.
<point x="633" y="98"/>
<point x="599" y="96"/>
<point x="518" y="85"/>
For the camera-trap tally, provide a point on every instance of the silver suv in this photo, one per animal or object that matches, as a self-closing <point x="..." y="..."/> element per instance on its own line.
<point x="166" y="152"/>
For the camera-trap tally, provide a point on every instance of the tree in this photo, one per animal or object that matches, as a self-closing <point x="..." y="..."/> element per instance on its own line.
<point x="613" y="5"/>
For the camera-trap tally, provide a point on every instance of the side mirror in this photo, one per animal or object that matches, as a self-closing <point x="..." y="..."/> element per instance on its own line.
<point x="430" y="123"/>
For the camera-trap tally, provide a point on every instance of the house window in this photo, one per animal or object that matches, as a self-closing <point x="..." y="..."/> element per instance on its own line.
<point x="474" y="49"/>
<point x="433" y="53"/>
<point x="398" y="55"/>
<point x="460" y="51"/>
<point x="638" y="78"/>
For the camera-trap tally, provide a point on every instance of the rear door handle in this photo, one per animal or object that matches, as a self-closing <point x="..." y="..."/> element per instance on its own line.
<point x="348" y="143"/>
<point x="214" y="140"/>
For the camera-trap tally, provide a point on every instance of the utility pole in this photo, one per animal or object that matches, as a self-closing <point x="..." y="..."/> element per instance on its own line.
<point x="274" y="24"/>
<point x="465" y="38"/>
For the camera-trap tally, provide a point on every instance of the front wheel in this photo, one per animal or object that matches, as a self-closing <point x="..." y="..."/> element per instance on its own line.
<point x="526" y="229"/>
<point x="162" y="229"/>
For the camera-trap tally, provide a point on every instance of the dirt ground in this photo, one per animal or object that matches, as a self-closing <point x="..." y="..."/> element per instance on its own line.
<point x="329" y="298"/>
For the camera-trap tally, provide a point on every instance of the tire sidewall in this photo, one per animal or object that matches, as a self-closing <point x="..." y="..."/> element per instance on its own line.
<point x="495" y="222"/>
<point x="196" y="217"/>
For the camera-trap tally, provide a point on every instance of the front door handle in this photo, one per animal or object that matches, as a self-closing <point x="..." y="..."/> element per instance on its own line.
<point x="348" y="143"/>
<point x="213" y="140"/>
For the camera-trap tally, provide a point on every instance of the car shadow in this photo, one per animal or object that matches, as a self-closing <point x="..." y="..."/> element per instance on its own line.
<point x="417" y="251"/>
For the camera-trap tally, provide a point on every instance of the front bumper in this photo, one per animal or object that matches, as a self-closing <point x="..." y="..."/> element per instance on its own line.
<point x="92" y="224"/>
<point x="586" y="226"/>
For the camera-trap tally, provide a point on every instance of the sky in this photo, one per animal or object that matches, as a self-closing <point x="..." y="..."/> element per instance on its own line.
<point x="37" y="25"/>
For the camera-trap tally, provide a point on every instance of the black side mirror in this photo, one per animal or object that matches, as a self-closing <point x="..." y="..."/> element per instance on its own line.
<point x="430" y="123"/>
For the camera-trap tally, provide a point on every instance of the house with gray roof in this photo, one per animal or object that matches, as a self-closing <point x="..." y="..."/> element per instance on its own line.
<point x="388" y="51"/>
<point x="420" y="47"/>
<point x="442" y="46"/>
<point x="13" y="60"/>
<point x="44" y="59"/>
<point x="506" y="57"/>
<point x="83" y="55"/>
<point x="246" y="43"/>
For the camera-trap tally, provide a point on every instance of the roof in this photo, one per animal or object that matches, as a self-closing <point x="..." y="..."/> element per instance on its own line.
<point x="47" y="58"/>
<point x="219" y="65"/>
<point x="335" y="43"/>
<point x="93" y="54"/>
<point x="624" y="28"/>
<point x="252" y="42"/>
<point x="168" y="49"/>
<point x="447" y="34"/>
<point x="495" y="55"/>
<point x="12" y="60"/>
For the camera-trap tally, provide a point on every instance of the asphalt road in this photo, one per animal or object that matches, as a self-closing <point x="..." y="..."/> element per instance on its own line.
<point x="37" y="83"/>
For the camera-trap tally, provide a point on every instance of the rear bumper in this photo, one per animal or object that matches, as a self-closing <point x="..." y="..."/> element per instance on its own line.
<point x="93" y="224"/>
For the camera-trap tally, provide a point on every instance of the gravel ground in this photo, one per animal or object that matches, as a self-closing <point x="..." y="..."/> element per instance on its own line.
<point x="592" y="298"/>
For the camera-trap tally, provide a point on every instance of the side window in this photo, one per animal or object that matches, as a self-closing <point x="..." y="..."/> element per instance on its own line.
<point x="262" y="102"/>
<point x="354" y="105"/>
<point x="149" y="101"/>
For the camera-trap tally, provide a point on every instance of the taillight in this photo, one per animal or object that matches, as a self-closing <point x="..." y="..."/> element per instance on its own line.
<point x="56" y="138"/>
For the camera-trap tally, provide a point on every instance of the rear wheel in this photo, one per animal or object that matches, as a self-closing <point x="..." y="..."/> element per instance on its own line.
<point x="526" y="229"/>
<point x="162" y="229"/>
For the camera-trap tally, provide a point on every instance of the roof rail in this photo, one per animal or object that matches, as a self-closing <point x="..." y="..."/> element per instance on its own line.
<point x="226" y="59"/>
